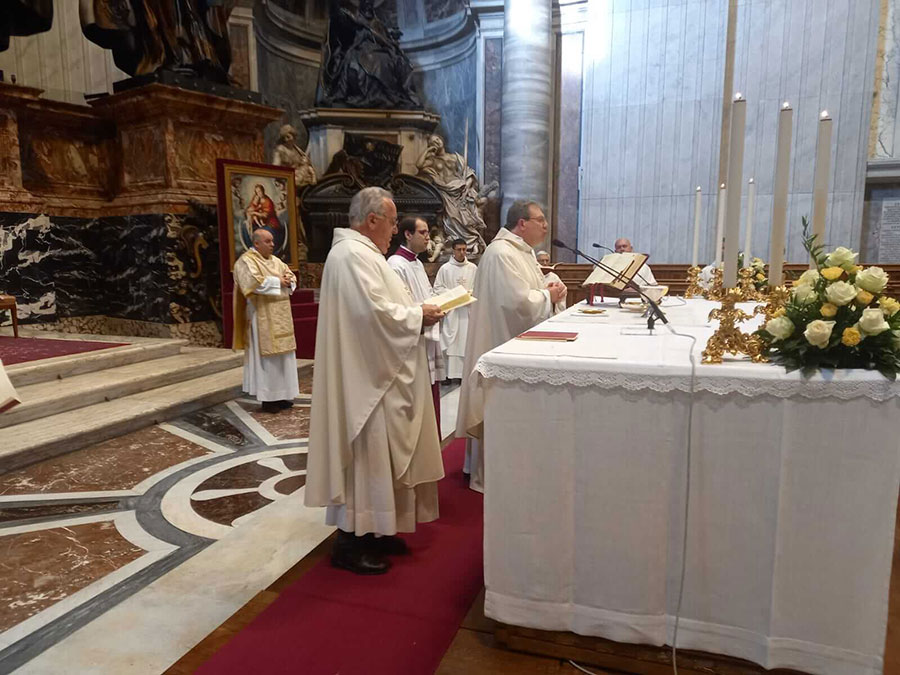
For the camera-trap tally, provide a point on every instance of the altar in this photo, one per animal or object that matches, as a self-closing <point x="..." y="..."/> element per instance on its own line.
<point x="792" y="495"/>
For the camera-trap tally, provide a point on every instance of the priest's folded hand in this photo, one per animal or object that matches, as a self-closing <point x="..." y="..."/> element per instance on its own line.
<point x="557" y="291"/>
<point x="431" y="314"/>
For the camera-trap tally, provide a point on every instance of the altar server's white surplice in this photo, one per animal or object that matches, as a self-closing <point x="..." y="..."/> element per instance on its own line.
<point x="374" y="452"/>
<point x="455" y="326"/>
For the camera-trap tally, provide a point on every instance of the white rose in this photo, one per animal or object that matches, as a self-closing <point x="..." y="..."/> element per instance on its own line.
<point x="841" y="257"/>
<point x="808" y="278"/>
<point x="840" y="293"/>
<point x="872" y="321"/>
<point x="872" y="279"/>
<point x="780" y="327"/>
<point x="806" y="294"/>
<point x="818" y="332"/>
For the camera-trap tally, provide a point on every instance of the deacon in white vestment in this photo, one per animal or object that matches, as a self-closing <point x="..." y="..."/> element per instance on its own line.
<point x="458" y="271"/>
<point x="550" y="277"/>
<point x="263" y="325"/>
<point x="414" y="235"/>
<point x="644" y="277"/>
<point x="374" y="452"/>
<point x="512" y="297"/>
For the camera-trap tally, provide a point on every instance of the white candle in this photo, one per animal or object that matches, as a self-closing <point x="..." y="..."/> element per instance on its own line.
<point x="820" y="179"/>
<point x="733" y="201"/>
<point x="748" y="235"/>
<point x="696" y="253"/>
<point x="720" y="223"/>
<point x="780" y="194"/>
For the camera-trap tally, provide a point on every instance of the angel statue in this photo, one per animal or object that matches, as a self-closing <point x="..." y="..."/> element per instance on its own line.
<point x="458" y="186"/>
<point x="288" y="153"/>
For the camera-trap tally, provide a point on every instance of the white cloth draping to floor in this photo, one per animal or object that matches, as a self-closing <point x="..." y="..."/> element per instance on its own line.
<point x="793" y="496"/>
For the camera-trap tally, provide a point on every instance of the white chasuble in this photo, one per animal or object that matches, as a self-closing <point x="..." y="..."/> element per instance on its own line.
<point x="374" y="451"/>
<point x="412" y="272"/>
<point x="512" y="297"/>
<point x="263" y="326"/>
<point x="455" y="326"/>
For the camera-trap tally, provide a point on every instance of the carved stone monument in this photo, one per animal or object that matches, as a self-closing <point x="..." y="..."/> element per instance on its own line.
<point x="288" y="153"/>
<point x="24" y="17"/>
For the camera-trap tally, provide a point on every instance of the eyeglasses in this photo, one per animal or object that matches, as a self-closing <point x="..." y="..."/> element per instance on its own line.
<point x="542" y="220"/>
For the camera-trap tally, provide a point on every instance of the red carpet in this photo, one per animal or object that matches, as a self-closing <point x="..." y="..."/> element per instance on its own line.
<point x="18" y="350"/>
<point x="332" y="621"/>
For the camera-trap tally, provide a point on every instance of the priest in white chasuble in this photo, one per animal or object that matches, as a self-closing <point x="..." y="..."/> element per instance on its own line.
<point x="374" y="450"/>
<point x="405" y="262"/>
<point x="458" y="271"/>
<point x="512" y="297"/>
<point x="263" y="325"/>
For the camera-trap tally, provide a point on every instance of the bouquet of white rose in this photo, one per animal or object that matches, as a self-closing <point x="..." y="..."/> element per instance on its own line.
<point x="837" y="317"/>
<point x="760" y="280"/>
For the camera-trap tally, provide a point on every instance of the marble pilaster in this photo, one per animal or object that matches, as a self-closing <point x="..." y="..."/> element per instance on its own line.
<point x="527" y="100"/>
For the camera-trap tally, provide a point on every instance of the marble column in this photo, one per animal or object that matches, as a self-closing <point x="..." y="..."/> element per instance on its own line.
<point x="526" y="100"/>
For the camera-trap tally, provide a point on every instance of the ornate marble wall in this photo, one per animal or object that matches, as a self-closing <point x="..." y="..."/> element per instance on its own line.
<point x="652" y="114"/>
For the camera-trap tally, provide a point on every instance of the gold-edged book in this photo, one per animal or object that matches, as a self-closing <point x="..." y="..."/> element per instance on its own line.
<point x="625" y="264"/>
<point x="8" y="395"/>
<point x="452" y="299"/>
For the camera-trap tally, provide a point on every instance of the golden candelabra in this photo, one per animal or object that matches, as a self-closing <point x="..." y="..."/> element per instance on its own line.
<point x="775" y="300"/>
<point x="747" y="284"/>
<point x="716" y="290"/>
<point x="728" y="338"/>
<point x="693" y="289"/>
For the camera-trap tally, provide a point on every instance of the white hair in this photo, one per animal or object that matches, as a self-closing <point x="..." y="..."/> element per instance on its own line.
<point x="541" y="253"/>
<point x="366" y="201"/>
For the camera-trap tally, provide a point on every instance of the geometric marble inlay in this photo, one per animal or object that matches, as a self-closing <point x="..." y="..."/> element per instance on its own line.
<point x="284" y="425"/>
<point x="38" y="569"/>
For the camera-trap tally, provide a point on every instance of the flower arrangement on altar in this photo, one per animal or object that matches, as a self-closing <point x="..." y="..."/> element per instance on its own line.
<point x="758" y="267"/>
<point x="837" y="317"/>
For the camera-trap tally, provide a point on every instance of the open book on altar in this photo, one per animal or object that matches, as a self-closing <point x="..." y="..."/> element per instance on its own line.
<point x="452" y="299"/>
<point x="626" y="264"/>
<point x="8" y="395"/>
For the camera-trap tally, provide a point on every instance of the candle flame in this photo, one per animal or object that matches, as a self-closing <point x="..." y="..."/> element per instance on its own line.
<point x="785" y="106"/>
<point x="738" y="97"/>
<point x="824" y="115"/>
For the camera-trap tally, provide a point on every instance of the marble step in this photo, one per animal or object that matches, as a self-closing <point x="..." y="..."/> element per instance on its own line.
<point x="60" y="367"/>
<point x="68" y="431"/>
<point x="56" y="396"/>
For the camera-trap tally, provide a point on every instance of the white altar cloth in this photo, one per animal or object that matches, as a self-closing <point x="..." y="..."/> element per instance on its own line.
<point x="793" y="496"/>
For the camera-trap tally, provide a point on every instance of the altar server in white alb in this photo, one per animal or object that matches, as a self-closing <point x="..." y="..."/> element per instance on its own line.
<point x="263" y="325"/>
<point x="550" y="277"/>
<point x="405" y="262"/>
<point x="512" y="297"/>
<point x="374" y="451"/>
<point x="458" y="271"/>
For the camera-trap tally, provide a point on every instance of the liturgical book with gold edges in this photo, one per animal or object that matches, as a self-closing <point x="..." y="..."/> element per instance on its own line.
<point x="452" y="299"/>
<point x="8" y="396"/>
<point x="626" y="264"/>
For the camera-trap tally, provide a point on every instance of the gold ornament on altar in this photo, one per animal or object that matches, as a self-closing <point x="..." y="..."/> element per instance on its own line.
<point x="776" y="299"/>
<point x="728" y="338"/>
<point x="747" y="284"/>
<point x="693" y="290"/>
<point x="716" y="290"/>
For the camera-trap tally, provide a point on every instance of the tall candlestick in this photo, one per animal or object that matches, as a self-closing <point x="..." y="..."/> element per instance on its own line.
<point x="748" y="235"/>
<point x="733" y="200"/>
<point x="780" y="194"/>
<point x="720" y="223"/>
<point x="696" y="253"/>
<point x="820" y="179"/>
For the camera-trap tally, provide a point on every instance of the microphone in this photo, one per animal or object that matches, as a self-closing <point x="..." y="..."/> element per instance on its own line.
<point x="618" y="275"/>
<point x="605" y="248"/>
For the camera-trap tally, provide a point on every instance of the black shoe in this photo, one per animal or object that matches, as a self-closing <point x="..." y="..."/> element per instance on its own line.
<point x="270" y="406"/>
<point x="389" y="545"/>
<point x="284" y="405"/>
<point x="350" y="554"/>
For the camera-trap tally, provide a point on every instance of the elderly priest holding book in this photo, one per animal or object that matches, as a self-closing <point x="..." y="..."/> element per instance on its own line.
<point x="374" y="451"/>
<point x="512" y="297"/>
<point x="263" y="324"/>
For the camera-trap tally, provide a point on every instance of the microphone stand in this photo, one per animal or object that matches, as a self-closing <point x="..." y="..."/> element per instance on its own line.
<point x="656" y="312"/>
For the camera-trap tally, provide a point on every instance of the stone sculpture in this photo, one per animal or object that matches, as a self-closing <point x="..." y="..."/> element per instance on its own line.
<point x="362" y="63"/>
<point x="288" y="153"/>
<point x="184" y="36"/>
<point x="458" y="186"/>
<point x="24" y="17"/>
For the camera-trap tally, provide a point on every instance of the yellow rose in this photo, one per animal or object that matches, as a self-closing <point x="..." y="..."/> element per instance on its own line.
<point x="889" y="306"/>
<point x="828" y="310"/>
<point x="832" y="273"/>
<point x="864" y="298"/>
<point x="851" y="336"/>
<point x="779" y="312"/>
<point x="761" y="276"/>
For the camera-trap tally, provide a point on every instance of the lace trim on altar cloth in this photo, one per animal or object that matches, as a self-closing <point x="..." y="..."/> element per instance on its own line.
<point x="876" y="390"/>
